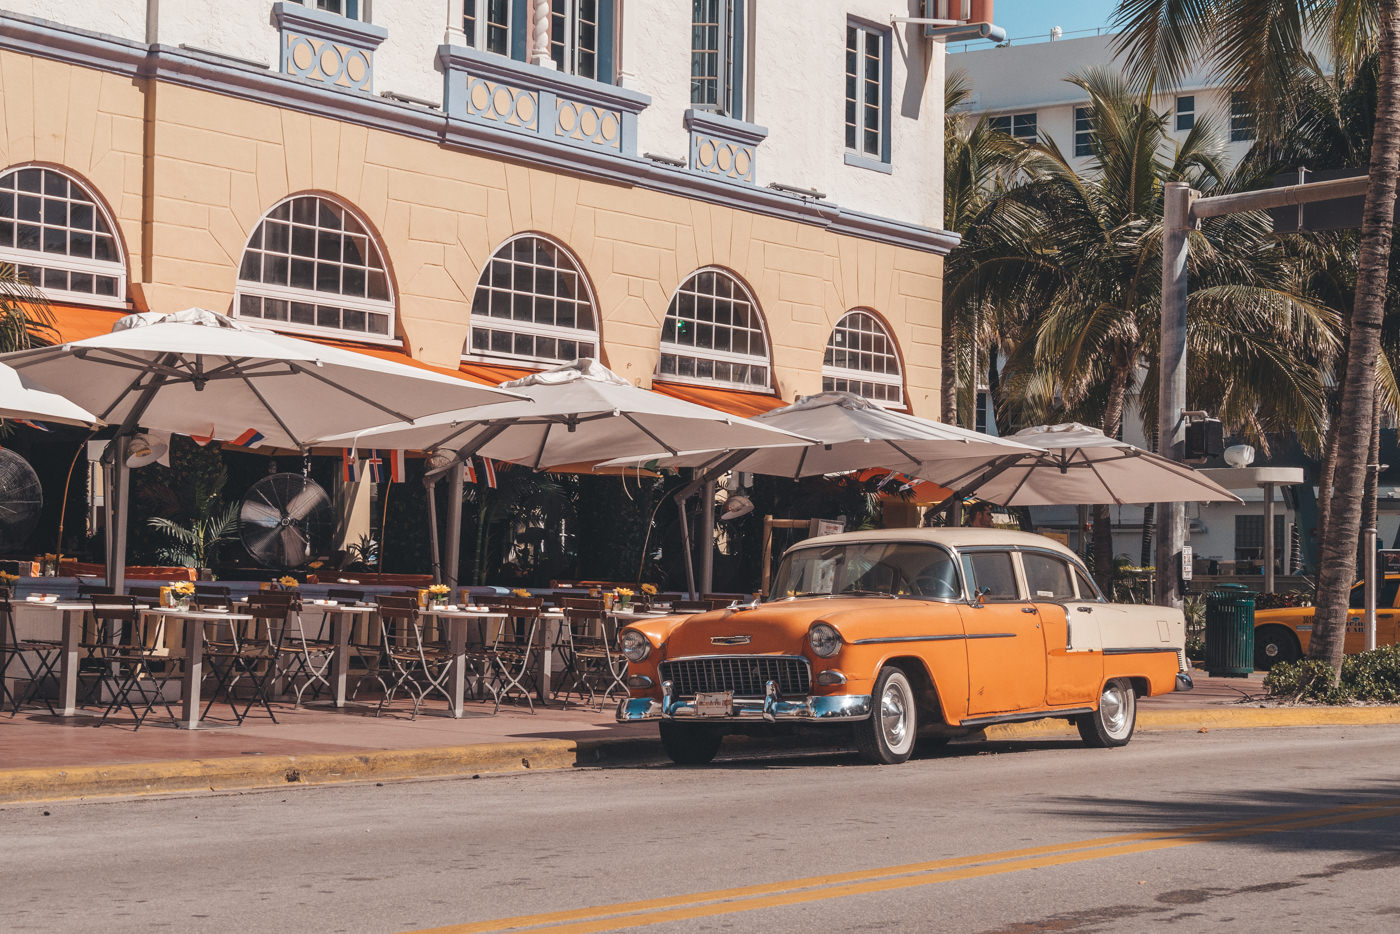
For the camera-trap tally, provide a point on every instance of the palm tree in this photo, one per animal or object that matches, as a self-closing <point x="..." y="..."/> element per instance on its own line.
<point x="977" y="161"/>
<point x="1256" y="47"/>
<point x="1082" y="249"/>
<point x="25" y="320"/>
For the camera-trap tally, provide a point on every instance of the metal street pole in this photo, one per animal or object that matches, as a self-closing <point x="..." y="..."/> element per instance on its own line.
<point x="1171" y="426"/>
<point x="1268" y="537"/>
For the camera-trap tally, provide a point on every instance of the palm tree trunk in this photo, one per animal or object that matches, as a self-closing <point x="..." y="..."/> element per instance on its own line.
<point x="1103" y="522"/>
<point x="948" y="376"/>
<point x="1149" y="515"/>
<point x="1324" y="480"/>
<point x="1338" y="557"/>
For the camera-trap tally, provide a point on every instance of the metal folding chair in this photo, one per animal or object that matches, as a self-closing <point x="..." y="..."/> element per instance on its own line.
<point x="130" y="655"/>
<point x="371" y="654"/>
<point x="411" y="662"/>
<point x="308" y="656"/>
<point x="236" y="655"/>
<point x="510" y="656"/>
<point x="45" y="655"/>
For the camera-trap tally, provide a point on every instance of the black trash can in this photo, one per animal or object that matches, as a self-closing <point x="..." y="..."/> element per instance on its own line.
<point x="1230" y="631"/>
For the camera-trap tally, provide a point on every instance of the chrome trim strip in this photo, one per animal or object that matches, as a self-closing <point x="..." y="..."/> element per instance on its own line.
<point x="890" y="639"/>
<point x="1141" y="650"/>
<point x="1028" y="715"/>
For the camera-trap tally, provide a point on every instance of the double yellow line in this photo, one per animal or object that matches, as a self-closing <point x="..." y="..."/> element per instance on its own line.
<point x="820" y="888"/>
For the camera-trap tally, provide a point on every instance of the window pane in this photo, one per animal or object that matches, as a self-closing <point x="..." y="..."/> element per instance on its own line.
<point x="533" y="295"/>
<point x="42" y="211"/>
<point x="991" y="575"/>
<point x="1047" y="577"/>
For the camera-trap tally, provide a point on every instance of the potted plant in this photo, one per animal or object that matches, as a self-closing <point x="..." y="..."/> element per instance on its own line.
<point x="624" y="598"/>
<point x="195" y="545"/>
<point x="183" y="592"/>
<point x="437" y="595"/>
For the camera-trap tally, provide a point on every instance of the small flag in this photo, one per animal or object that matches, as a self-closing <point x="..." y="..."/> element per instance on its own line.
<point x="250" y="438"/>
<point x="385" y="466"/>
<point x="37" y="426"/>
<point x="396" y="465"/>
<point x="349" y="466"/>
<point x="489" y="469"/>
<point x="470" y="471"/>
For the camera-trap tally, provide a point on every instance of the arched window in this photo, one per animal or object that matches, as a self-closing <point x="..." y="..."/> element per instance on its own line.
<point x="861" y="358"/>
<point x="312" y="265"/>
<point x="714" y="334"/>
<point x="532" y="303"/>
<point x="59" y="237"/>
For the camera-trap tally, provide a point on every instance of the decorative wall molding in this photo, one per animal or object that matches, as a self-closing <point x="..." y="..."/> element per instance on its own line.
<point x="498" y="91"/>
<point x="722" y="146"/>
<point x="326" y="48"/>
<point x="221" y="75"/>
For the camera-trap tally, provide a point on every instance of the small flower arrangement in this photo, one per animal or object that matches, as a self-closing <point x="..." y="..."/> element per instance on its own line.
<point x="6" y="579"/>
<point x="521" y="592"/>
<point x="624" y="597"/>
<point x="438" y="593"/>
<point x="182" y="588"/>
<point x="288" y="581"/>
<point x="649" y="589"/>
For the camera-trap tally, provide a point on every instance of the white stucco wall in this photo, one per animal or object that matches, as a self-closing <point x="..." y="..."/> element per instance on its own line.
<point x="125" y="19"/>
<point x="1026" y="77"/>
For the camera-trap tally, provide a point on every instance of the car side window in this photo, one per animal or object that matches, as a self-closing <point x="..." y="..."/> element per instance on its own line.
<point x="1047" y="576"/>
<point x="990" y="573"/>
<point x="1385" y="597"/>
<point x="938" y="578"/>
<point x="1086" y="586"/>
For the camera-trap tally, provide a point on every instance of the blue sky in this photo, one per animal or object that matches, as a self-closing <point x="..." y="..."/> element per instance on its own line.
<point x="1035" y="17"/>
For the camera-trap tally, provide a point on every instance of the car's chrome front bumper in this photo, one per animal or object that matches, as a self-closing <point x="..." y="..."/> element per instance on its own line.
<point x="1183" y="681"/>
<point x="770" y="708"/>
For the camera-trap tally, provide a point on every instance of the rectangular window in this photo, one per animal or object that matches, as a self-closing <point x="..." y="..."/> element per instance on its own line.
<point x="717" y="56"/>
<point x="1021" y="126"/>
<point x="1083" y="132"/>
<point x="1186" y="112"/>
<point x="867" y="91"/>
<point x="1249" y="538"/>
<point x="350" y="9"/>
<point x="487" y="25"/>
<point x="574" y="36"/>
<point x="1241" y="118"/>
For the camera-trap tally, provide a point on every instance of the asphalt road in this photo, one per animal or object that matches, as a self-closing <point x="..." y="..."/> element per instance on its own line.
<point x="1249" y="830"/>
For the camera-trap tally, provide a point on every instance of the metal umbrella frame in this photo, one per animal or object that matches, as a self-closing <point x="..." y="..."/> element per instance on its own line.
<point x="152" y="371"/>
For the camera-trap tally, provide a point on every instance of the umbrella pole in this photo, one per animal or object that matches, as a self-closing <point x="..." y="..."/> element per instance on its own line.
<point x="434" y="552"/>
<point x="685" y="547"/>
<point x="706" y="533"/>
<point x="117" y="514"/>
<point x="456" y="479"/>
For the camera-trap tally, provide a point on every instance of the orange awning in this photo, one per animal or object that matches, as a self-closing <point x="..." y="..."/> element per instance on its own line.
<point x="493" y="374"/>
<point x="733" y="401"/>
<point x="75" y="323"/>
<point x="920" y="492"/>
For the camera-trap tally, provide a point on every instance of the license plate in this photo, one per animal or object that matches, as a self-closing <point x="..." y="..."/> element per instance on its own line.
<point x="716" y="704"/>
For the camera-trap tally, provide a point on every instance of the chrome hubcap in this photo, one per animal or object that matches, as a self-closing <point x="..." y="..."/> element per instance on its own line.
<point x="1113" y="708"/>
<point x="1271" y="650"/>
<point x="894" y="718"/>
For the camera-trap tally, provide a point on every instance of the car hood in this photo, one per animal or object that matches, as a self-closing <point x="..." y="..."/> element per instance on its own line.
<point x="772" y="628"/>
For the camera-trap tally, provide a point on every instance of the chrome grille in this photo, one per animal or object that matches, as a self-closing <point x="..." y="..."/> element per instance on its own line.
<point x="745" y="675"/>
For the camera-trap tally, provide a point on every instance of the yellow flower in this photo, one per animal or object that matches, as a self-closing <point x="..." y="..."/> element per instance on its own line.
<point x="438" y="589"/>
<point x="649" y="589"/>
<point x="521" y="592"/>
<point x="183" y="588"/>
<point x="624" y="592"/>
<point x="289" y="581"/>
<point x="6" y="578"/>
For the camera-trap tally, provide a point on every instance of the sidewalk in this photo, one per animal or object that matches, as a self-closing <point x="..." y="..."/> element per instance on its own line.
<point x="43" y="757"/>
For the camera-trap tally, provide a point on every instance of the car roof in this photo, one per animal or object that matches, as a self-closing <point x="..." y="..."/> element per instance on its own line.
<point x="952" y="537"/>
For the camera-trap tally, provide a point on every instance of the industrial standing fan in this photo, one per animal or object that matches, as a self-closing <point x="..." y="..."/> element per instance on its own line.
<point x="284" y="519"/>
<point x="21" y="500"/>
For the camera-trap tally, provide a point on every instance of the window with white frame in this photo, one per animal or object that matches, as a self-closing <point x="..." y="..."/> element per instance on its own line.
<point x="487" y="25"/>
<point x="1241" y="118"/>
<point x="312" y="265"/>
<point x="861" y="358"/>
<point x="350" y="9"/>
<point x="1083" y="132"/>
<point x="1022" y="126"/>
<point x="867" y="90"/>
<point x="717" y="56"/>
<point x="532" y="303"/>
<point x="59" y="238"/>
<point x="1186" y="112"/>
<point x="574" y="37"/>
<point x="714" y="333"/>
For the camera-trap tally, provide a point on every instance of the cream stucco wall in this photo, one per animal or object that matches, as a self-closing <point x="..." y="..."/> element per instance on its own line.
<point x="219" y="162"/>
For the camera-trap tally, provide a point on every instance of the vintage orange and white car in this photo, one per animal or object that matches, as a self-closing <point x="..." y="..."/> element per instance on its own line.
<point x="901" y="634"/>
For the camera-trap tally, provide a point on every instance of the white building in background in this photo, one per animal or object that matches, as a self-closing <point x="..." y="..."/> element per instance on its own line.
<point x="1022" y="85"/>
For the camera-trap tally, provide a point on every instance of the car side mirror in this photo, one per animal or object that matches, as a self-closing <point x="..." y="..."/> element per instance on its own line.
<point x="978" y="593"/>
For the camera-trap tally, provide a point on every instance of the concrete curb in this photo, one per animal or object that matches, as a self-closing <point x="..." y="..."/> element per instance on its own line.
<point x="249" y="772"/>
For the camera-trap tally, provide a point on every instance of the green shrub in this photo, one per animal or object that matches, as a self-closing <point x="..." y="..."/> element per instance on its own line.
<point x="1369" y="677"/>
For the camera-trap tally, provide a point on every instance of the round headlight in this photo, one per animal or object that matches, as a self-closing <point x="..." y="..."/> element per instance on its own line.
<point x="826" y="641"/>
<point x="634" y="645"/>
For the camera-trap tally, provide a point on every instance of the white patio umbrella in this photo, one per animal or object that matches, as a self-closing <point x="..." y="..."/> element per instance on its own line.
<point x="204" y="374"/>
<point x="22" y="397"/>
<point x="849" y="433"/>
<point x="577" y="413"/>
<point x="1075" y="464"/>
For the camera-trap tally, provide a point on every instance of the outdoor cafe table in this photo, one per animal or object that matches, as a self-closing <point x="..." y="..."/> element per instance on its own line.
<point x="343" y="618"/>
<point x="193" y="674"/>
<point x="71" y="618"/>
<point x="459" y="618"/>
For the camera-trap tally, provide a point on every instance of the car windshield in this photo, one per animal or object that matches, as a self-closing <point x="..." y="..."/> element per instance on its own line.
<point x="894" y="569"/>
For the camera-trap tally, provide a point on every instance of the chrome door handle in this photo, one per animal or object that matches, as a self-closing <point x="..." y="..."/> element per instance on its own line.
<point x="1085" y="609"/>
<point x="1028" y="609"/>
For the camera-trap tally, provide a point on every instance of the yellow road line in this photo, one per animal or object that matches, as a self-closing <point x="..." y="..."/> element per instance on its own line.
<point x="819" y="888"/>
